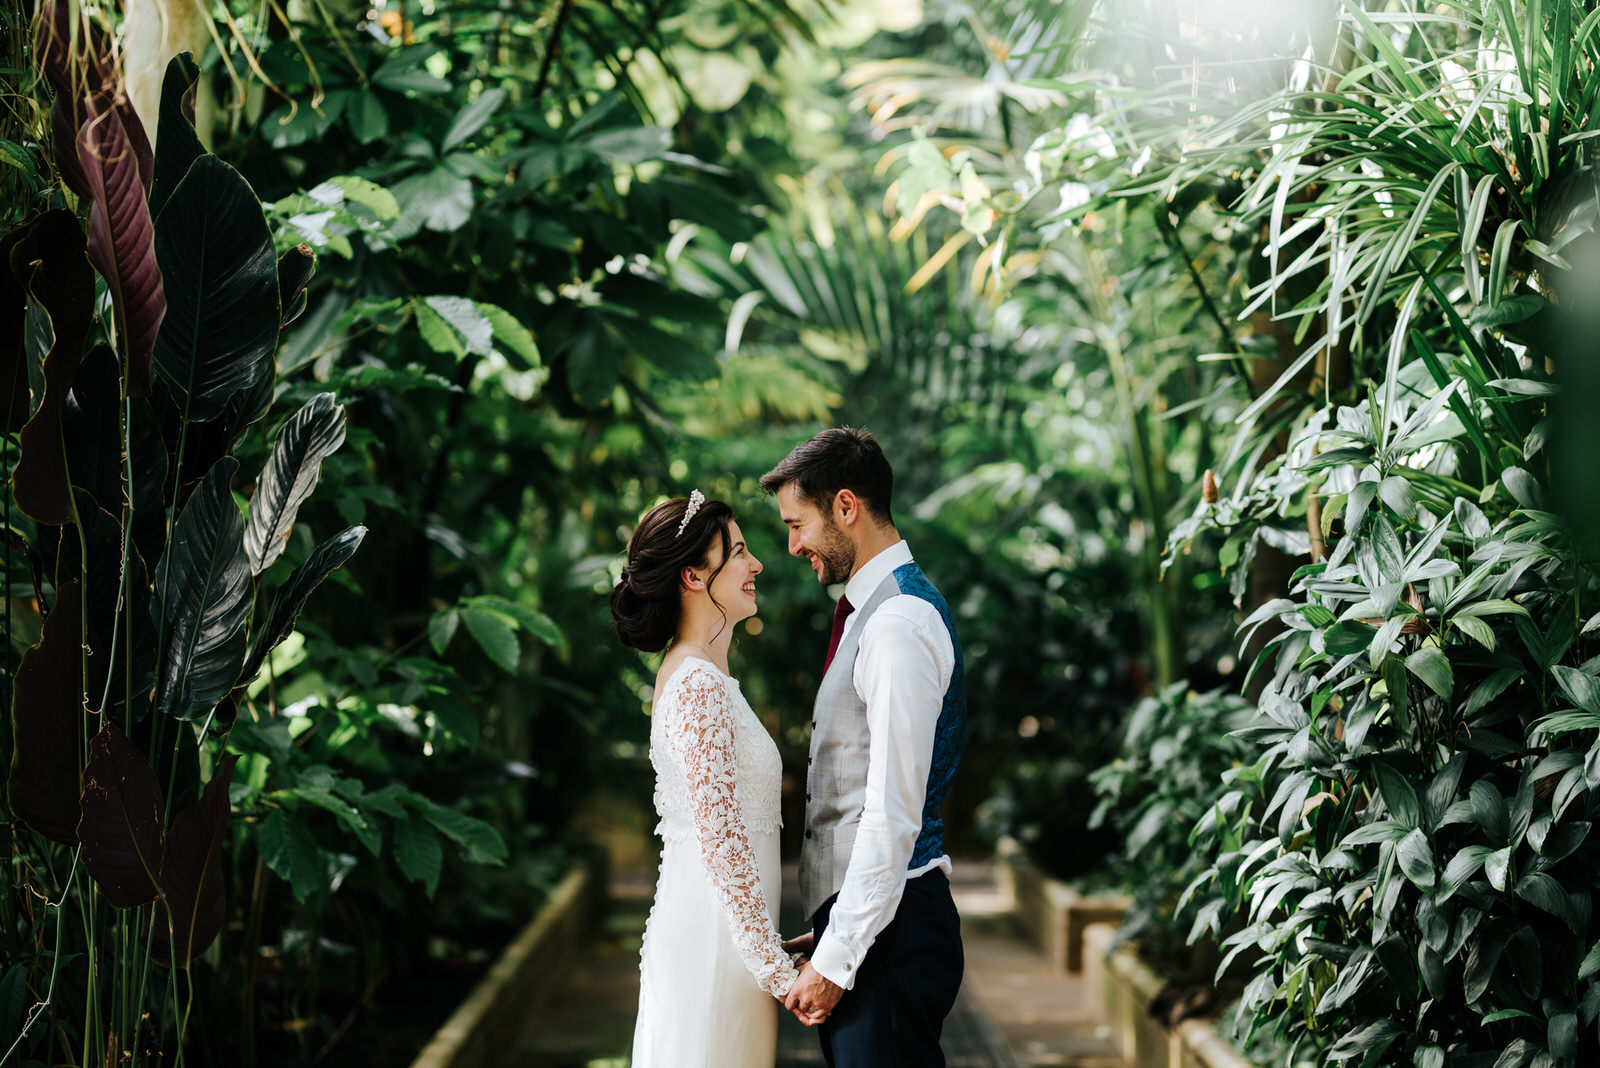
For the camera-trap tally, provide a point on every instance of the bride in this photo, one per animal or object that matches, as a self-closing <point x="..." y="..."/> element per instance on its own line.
<point x="713" y="971"/>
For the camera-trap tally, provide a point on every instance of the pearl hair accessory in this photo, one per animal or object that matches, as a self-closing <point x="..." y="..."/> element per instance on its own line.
<point x="696" y="499"/>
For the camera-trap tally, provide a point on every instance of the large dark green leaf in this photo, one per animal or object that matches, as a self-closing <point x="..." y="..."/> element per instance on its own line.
<point x="1581" y="688"/>
<point x="495" y="634"/>
<point x="47" y="724"/>
<point x="291" y="851"/>
<point x="1431" y="666"/>
<point x="1489" y="809"/>
<point x="436" y="199"/>
<point x="295" y="269"/>
<point x="291" y="596"/>
<point x="206" y="443"/>
<point x="202" y="598"/>
<point x="49" y="264"/>
<point x="1542" y="891"/>
<point x="1415" y="855"/>
<point x="1482" y="959"/>
<point x="480" y="843"/>
<point x="177" y="145"/>
<point x="222" y="281"/>
<point x="1350" y="636"/>
<point x="417" y="848"/>
<point x="309" y="437"/>
<point x="1369" y="1040"/>
<point x="122" y="831"/>
<point x="1398" y="794"/>
<point x="91" y="425"/>
<point x="191" y="878"/>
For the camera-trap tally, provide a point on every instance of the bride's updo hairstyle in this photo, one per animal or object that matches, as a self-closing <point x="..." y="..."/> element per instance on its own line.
<point x="645" y="602"/>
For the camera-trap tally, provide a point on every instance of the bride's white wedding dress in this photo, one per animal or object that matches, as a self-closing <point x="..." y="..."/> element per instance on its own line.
<point x="712" y="964"/>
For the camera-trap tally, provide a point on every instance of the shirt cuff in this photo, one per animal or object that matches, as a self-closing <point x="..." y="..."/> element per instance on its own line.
<point x="835" y="961"/>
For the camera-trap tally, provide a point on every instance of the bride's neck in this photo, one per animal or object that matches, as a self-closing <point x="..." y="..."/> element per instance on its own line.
<point x="706" y="633"/>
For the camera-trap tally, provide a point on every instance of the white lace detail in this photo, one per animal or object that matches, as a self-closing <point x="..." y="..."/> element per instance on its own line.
<point x="718" y="776"/>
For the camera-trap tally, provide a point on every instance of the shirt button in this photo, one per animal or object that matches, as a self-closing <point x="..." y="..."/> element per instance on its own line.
<point x="808" y="832"/>
<point x="808" y="795"/>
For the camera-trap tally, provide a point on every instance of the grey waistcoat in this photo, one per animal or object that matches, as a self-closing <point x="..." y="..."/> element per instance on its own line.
<point x="836" y="779"/>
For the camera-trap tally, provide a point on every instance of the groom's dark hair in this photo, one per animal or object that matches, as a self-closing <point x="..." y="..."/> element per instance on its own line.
<point x="834" y="460"/>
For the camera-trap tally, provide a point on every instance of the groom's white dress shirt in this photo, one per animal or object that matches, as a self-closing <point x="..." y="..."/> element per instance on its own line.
<point x="902" y="670"/>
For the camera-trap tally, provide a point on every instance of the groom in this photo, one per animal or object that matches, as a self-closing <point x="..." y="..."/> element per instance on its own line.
<point x="886" y="736"/>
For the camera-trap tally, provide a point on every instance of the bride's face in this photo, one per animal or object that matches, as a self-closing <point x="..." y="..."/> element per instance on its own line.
<point x="734" y="588"/>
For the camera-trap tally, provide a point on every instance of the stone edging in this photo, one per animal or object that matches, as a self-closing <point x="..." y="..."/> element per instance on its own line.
<point x="485" y="1025"/>
<point x="1126" y="986"/>
<point x="1052" y="913"/>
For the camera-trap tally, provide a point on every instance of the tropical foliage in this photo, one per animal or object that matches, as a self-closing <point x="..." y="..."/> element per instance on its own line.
<point x="155" y="601"/>
<point x="1410" y="828"/>
<point x="1163" y="315"/>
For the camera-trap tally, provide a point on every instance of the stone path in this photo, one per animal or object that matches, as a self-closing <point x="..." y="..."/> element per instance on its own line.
<point x="1015" y="1010"/>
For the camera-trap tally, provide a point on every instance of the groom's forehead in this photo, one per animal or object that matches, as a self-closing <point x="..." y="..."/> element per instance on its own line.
<point x="792" y="507"/>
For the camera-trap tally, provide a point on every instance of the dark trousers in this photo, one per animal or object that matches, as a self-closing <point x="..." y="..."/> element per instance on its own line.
<point x="906" y="986"/>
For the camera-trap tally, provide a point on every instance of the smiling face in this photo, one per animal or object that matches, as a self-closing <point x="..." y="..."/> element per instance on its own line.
<point x="813" y="534"/>
<point x="734" y="587"/>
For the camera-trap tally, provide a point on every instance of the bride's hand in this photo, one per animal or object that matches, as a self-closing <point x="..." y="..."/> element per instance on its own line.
<point x="804" y="944"/>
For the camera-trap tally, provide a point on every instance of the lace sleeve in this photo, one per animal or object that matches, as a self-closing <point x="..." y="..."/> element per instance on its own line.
<point x="700" y="733"/>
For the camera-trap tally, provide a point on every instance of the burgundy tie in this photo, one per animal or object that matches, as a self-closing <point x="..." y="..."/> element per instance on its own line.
<point x="840" y="612"/>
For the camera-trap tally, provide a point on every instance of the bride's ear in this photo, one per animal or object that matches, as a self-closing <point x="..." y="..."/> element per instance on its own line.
<point x="690" y="581"/>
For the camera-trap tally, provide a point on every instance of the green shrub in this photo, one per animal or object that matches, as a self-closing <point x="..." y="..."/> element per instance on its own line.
<point x="1177" y="759"/>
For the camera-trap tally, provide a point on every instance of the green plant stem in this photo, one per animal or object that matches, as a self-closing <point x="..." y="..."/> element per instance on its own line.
<point x="92" y="949"/>
<point x="157" y="729"/>
<point x="1174" y="240"/>
<point x="55" y="963"/>
<point x="1159" y="611"/>
<point x="125" y="603"/>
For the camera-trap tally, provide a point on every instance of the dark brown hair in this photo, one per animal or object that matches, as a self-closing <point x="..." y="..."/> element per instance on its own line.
<point x="837" y="459"/>
<point x="645" y="602"/>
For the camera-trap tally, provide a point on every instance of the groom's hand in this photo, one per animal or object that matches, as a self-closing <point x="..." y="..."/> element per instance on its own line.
<point x="813" y="996"/>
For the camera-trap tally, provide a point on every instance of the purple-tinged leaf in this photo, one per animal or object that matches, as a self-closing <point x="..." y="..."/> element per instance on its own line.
<point x="77" y="60"/>
<point x="191" y="880"/>
<point x="48" y="262"/>
<point x="47" y="715"/>
<point x="104" y="155"/>
<point x="122" y="830"/>
<point x="122" y="237"/>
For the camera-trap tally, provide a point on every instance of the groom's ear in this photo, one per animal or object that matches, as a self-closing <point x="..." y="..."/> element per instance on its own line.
<point x="846" y="507"/>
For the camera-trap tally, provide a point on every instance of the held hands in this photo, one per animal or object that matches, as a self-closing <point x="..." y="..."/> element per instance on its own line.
<point x="801" y="949"/>
<point x="813" y="996"/>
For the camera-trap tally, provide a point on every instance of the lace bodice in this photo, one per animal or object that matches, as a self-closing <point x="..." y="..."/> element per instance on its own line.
<point x="718" y="777"/>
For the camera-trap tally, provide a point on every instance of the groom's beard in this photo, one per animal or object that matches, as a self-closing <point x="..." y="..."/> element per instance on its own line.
<point x="837" y="556"/>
